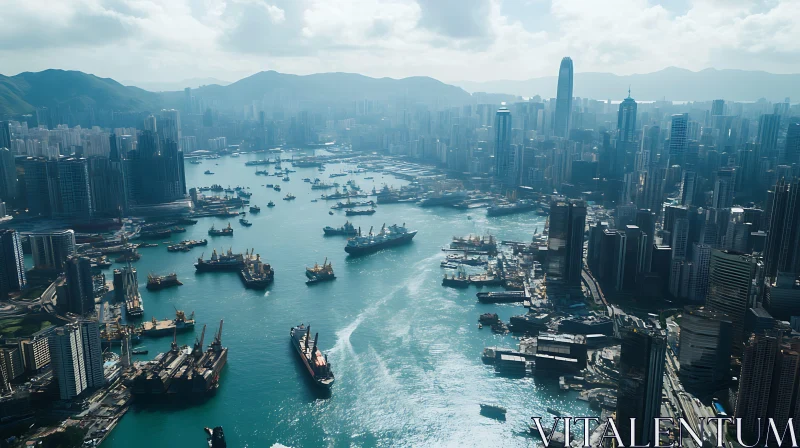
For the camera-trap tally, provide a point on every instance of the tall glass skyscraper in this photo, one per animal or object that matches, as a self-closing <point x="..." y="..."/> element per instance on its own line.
<point x="505" y="163"/>
<point x="563" y="99"/>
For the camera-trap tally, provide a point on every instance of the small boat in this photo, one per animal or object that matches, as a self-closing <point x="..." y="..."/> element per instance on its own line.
<point x="314" y="200"/>
<point x="208" y="172"/>
<point x="277" y="188"/>
<point x="255" y="209"/>
<point x="195" y="162"/>
<point x="554" y="412"/>
<point x="216" y="437"/>
<point x="493" y="411"/>
<point x="245" y="222"/>
<point x="138" y="351"/>
<point x="270" y="204"/>
<point x="330" y="213"/>
<point x="285" y="179"/>
<point x="289" y="197"/>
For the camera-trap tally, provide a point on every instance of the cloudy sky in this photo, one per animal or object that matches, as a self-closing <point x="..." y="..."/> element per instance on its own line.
<point x="476" y="40"/>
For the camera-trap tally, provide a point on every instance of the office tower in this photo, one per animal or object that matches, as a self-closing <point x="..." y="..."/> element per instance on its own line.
<point x="51" y="249"/>
<point x="688" y="187"/>
<point x="717" y="107"/>
<point x="8" y="175"/>
<point x="12" y="263"/>
<point x="66" y="354"/>
<point x="37" y="181"/>
<point x="792" y="150"/>
<point x="646" y="221"/>
<point x="678" y="138"/>
<point x="731" y="289"/>
<point x="565" y="240"/>
<point x="92" y="353"/>
<point x="187" y="101"/>
<point x="626" y="135"/>
<point x="74" y="198"/>
<point x="641" y="376"/>
<point x="782" y="252"/>
<point x="705" y="355"/>
<point x="634" y="257"/>
<point x="755" y="382"/>
<point x="782" y="298"/>
<point x="563" y="114"/>
<point x="768" y="128"/>
<point x="505" y="163"/>
<point x="80" y="286"/>
<point x="698" y="283"/>
<point x="5" y="134"/>
<point x="170" y="126"/>
<point x="723" y="188"/>
<point x="653" y="194"/>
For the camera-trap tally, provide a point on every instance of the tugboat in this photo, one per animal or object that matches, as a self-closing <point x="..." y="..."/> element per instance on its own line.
<point x="270" y="204"/>
<point x="314" y="361"/>
<point x="255" y="209"/>
<point x="368" y="211"/>
<point x="347" y="229"/>
<point x="245" y="222"/>
<point x="208" y="172"/>
<point x="289" y="197"/>
<point x="227" y="231"/>
<point x="277" y="188"/>
<point x="155" y="283"/>
<point x="319" y="273"/>
<point x="216" y="438"/>
<point x="392" y="236"/>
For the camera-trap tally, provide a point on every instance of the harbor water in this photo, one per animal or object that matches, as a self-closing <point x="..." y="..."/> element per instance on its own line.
<point x="406" y="351"/>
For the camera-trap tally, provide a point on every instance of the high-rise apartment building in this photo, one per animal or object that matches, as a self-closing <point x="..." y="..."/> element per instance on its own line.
<point x="12" y="263"/>
<point x="51" y="249"/>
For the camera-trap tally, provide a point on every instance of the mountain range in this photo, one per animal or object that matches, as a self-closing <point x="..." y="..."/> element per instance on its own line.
<point x="25" y="92"/>
<point x="169" y="86"/>
<point x="671" y="83"/>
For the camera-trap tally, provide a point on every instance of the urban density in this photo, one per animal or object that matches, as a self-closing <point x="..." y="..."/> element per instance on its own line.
<point x="502" y="262"/>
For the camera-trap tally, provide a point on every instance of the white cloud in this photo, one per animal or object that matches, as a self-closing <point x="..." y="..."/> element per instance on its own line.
<point x="449" y="40"/>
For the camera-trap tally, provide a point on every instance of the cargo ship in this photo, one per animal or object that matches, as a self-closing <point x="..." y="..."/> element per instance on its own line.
<point x="347" y="229"/>
<point x="226" y="262"/>
<point x="114" y="332"/>
<point x="155" y="283"/>
<point x="182" y="371"/>
<point x="180" y="324"/>
<point x="476" y="243"/>
<point x="255" y="209"/>
<point x="258" y="162"/>
<point x="350" y="204"/>
<point x="446" y="198"/>
<point x="367" y="212"/>
<point x="155" y="234"/>
<point x="314" y="361"/>
<point x="510" y="209"/>
<point x="256" y="274"/>
<point x="227" y="231"/>
<point x="134" y="306"/>
<point x="186" y="245"/>
<point x="503" y="297"/>
<point x="319" y="273"/>
<point x="387" y="237"/>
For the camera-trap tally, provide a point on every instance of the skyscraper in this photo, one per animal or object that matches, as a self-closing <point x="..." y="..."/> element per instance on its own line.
<point x="51" y="249"/>
<point x="641" y="377"/>
<point x="782" y="251"/>
<point x="8" y="175"/>
<point x="792" y="151"/>
<point x="626" y="135"/>
<point x="74" y="199"/>
<point x="688" y="187"/>
<point x="66" y="354"/>
<point x="561" y="125"/>
<point x="705" y="355"/>
<point x="506" y="171"/>
<point x="5" y="134"/>
<point x="80" y="286"/>
<point x="565" y="240"/>
<point x="724" y="188"/>
<point x="717" y="107"/>
<point x="731" y="290"/>
<point x="768" y="128"/>
<point x="170" y="126"/>
<point x="678" y="138"/>
<point x="755" y="383"/>
<point x="12" y="263"/>
<point x="92" y="353"/>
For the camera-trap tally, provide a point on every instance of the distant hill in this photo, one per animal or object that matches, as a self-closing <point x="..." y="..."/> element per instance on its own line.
<point x="672" y="83"/>
<point x="78" y="91"/>
<point x="170" y="86"/>
<point x="329" y="88"/>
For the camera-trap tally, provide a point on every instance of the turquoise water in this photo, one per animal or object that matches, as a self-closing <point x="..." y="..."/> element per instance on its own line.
<point x="405" y="350"/>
